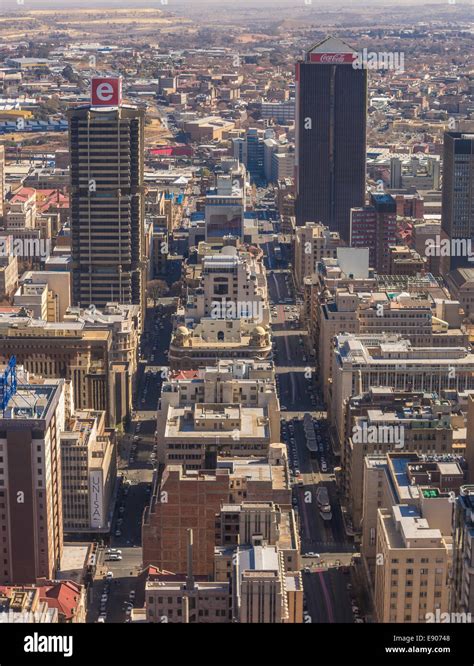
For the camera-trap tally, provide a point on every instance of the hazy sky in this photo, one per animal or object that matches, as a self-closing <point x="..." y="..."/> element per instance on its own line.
<point x="58" y="4"/>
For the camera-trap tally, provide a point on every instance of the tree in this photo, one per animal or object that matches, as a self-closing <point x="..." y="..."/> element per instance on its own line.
<point x="156" y="289"/>
<point x="176" y="288"/>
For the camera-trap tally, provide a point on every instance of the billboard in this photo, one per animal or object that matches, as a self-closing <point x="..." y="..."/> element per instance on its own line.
<point x="96" y="502"/>
<point x="333" y="58"/>
<point x="106" y="91"/>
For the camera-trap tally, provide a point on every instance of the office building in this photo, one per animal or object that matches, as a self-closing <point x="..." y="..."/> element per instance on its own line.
<point x="411" y="580"/>
<point x="224" y="210"/>
<point x="263" y="591"/>
<point x="331" y="110"/>
<point x="89" y="471"/>
<point x="245" y="383"/>
<point x="76" y="351"/>
<point x="366" y="361"/>
<point x="107" y="202"/>
<point x="462" y="579"/>
<point x="31" y="521"/>
<point x="458" y="199"/>
<point x="312" y="242"/>
<point x="375" y="227"/>
<point x="383" y="421"/>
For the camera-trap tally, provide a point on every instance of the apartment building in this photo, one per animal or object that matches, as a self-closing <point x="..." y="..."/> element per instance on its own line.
<point x="173" y="599"/>
<point x="224" y="210"/>
<point x="36" y="299"/>
<point x="31" y="488"/>
<point x="20" y="210"/>
<point x="404" y="260"/>
<point x="89" y="471"/>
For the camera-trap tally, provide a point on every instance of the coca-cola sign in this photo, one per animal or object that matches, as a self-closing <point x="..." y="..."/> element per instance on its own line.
<point x="332" y="58"/>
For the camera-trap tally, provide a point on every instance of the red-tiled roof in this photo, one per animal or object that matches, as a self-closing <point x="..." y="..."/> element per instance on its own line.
<point x="185" y="374"/>
<point x="23" y="194"/>
<point x="65" y="596"/>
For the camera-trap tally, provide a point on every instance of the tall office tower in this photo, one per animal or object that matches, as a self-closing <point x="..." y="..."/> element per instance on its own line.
<point x="375" y="227"/>
<point x="458" y="198"/>
<point x="331" y="118"/>
<point x="462" y="580"/>
<point x="31" y="524"/>
<point x="107" y="198"/>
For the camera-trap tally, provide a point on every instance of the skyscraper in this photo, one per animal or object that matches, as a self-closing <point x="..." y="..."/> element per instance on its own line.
<point x="331" y="110"/>
<point x="458" y="198"/>
<point x="31" y="520"/>
<point x="107" y="198"/>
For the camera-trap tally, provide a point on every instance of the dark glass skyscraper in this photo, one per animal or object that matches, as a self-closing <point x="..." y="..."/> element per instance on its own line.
<point x="331" y="119"/>
<point x="458" y="200"/>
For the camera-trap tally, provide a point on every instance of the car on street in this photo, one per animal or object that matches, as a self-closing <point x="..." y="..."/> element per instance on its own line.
<point x="118" y="533"/>
<point x="113" y="551"/>
<point x="109" y="575"/>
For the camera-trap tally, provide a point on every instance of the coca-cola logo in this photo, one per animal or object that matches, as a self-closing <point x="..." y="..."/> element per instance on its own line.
<point x="333" y="58"/>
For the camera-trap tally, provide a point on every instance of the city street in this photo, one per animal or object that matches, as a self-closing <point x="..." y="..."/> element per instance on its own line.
<point x="327" y="571"/>
<point x="136" y="464"/>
